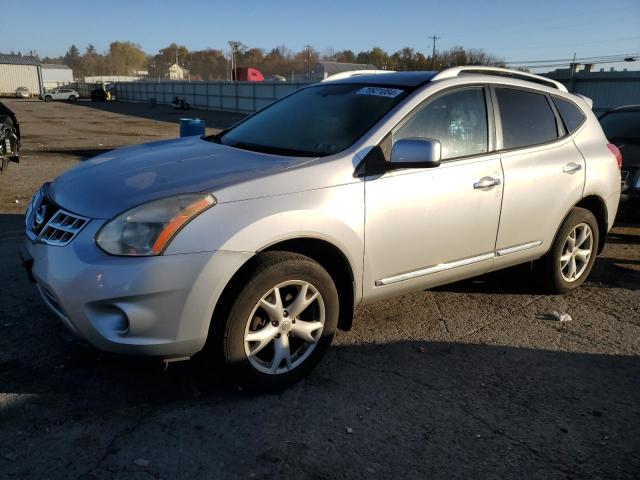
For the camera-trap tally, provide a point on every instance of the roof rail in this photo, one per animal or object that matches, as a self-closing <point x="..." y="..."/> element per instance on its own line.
<point x="353" y="73"/>
<point x="501" y="72"/>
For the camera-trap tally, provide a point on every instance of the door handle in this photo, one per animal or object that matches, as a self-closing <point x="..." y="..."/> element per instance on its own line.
<point x="486" y="182"/>
<point x="571" y="167"/>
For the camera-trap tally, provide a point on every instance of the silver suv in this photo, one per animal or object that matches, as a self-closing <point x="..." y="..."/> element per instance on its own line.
<point x="254" y="245"/>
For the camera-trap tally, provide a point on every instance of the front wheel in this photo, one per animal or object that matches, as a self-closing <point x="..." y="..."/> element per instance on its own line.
<point x="281" y="323"/>
<point x="573" y="253"/>
<point x="48" y="98"/>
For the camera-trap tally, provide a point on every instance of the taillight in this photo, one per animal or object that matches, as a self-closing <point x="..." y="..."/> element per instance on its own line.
<point x="616" y="152"/>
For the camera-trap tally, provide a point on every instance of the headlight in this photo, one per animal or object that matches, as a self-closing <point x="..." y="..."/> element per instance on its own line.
<point x="638" y="182"/>
<point x="148" y="229"/>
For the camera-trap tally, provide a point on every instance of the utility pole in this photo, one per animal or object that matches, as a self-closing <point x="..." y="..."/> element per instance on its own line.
<point x="308" y="47"/>
<point x="433" y="54"/>
<point x="572" y="71"/>
<point x="234" y="48"/>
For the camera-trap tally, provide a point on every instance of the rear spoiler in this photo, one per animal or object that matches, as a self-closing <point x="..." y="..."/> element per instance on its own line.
<point x="586" y="100"/>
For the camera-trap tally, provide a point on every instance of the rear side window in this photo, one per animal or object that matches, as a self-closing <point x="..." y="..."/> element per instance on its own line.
<point x="527" y="118"/>
<point x="571" y="115"/>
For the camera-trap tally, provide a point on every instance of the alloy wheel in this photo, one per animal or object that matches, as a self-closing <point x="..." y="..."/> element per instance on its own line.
<point x="576" y="252"/>
<point x="284" y="327"/>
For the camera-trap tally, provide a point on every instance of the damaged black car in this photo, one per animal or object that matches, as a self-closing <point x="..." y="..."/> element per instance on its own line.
<point x="9" y="138"/>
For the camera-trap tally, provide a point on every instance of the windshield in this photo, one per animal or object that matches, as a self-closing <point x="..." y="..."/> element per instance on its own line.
<point x="315" y="121"/>
<point x="621" y="124"/>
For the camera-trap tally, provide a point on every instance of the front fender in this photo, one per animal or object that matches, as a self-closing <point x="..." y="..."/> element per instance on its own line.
<point x="334" y="214"/>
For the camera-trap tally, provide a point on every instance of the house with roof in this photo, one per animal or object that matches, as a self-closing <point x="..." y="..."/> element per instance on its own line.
<point x="176" y="72"/>
<point x="17" y="70"/>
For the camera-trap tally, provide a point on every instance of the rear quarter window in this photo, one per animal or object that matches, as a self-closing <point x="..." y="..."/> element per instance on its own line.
<point x="527" y="118"/>
<point x="571" y="115"/>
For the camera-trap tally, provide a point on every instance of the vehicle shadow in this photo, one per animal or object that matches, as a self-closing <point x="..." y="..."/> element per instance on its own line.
<point x="623" y="238"/>
<point x="165" y="113"/>
<point x="436" y="409"/>
<point x="498" y="411"/>
<point x="515" y="280"/>
<point x="83" y="153"/>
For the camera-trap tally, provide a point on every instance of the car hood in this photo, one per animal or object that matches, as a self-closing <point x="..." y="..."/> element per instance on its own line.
<point x="123" y="178"/>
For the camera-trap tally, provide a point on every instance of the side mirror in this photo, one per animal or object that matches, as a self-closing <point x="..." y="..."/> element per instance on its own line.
<point x="415" y="153"/>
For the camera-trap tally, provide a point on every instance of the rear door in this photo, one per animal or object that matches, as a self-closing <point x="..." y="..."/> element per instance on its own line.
<point x="543" y="173"/>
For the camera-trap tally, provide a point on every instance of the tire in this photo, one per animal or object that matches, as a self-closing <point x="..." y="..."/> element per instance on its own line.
<point x="254" y="313"/>
<point x="72" y="98"/>
<point x="557" y="273"/>
<point x="48" y="98"/>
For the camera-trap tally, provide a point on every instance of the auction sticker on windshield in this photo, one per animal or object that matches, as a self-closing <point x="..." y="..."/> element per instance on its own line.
<point x="380" y="91"/>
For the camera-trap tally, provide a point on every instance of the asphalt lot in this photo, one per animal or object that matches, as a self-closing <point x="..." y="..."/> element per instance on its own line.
<point x="473" y="380"/>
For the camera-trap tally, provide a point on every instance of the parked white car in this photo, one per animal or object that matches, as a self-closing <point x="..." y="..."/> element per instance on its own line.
<point x="61" y="94"/>
<point x="257" y="243"/>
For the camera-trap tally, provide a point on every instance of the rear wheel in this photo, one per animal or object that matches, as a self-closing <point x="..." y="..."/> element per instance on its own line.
<point x="72" y="98"/>
<point x="281" y="322"/>
<point x="570" y="260"/>
<point x="48" y="98"/>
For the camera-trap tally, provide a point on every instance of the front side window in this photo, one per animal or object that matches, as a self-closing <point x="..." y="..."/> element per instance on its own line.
<point x="527" y="118"/>
<point x="571" y="115"/>
<point x="315" y="121"/>
<point x="458" y="120"/>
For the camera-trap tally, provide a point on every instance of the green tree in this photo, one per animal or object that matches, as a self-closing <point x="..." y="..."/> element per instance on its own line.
<point x="125" y="58"/>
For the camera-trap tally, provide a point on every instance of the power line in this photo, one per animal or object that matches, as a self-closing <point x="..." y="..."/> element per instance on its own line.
<point x="591" y="59"/>
<point x="565" y="44"/>
<point x="564" y="64"/>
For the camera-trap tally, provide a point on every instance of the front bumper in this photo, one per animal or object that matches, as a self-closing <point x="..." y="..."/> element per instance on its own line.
<point x="136" y="305"/>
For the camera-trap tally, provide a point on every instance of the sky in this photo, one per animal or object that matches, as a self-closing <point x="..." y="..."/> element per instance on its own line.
<point x="513" y="30"/>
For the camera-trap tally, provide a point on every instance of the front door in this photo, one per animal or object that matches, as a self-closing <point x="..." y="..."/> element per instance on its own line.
<point x="426" y="227"/>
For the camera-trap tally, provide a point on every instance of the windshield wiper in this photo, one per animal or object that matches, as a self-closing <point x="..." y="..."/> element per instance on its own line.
<point x="273" y="150"/>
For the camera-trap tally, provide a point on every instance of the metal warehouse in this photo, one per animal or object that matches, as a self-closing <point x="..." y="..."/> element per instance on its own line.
<point x="55" y="75"/>
<point x="20" y="71"/>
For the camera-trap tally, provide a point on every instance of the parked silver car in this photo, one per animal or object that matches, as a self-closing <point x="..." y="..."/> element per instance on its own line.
<point x="257" y="243"/>
<point x="22" y="92"/>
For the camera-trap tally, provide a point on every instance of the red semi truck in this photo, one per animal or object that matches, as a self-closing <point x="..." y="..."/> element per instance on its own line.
<point x="247" y="74"/>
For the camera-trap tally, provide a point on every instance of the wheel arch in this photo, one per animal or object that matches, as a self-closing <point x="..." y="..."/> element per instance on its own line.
<point x="598" y="207"/>
<point x="322" y="251"/>
<point x="334" y="261"/>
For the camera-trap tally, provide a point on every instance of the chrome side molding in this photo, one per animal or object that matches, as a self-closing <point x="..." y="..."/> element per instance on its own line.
<point x="434" y="269"/>
<point x="455" y="264"/>
<point x="518" y="248"/>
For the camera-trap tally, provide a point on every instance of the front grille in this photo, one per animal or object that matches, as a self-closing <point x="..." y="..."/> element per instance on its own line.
<point x="62" y="228"/>
<point x="47" y="223"/>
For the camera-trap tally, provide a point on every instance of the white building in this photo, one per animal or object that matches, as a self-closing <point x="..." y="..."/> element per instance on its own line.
<point x="176" y="72"/>
<point x="55" y="75"/>
<point x="20" y="71"/>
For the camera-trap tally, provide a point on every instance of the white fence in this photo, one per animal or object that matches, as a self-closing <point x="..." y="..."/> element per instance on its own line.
<point x="242" y="97"/>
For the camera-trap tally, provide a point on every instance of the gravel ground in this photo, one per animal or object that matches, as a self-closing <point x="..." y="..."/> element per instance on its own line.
<point x="472" y="380"/>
